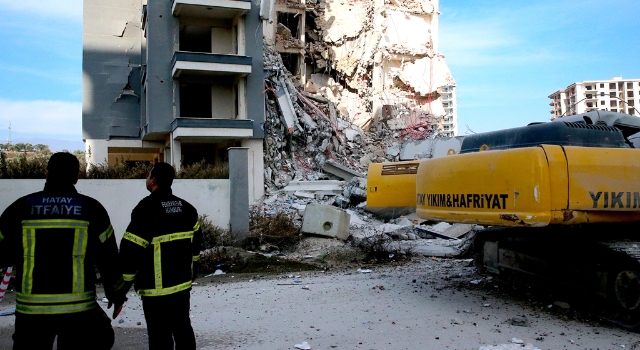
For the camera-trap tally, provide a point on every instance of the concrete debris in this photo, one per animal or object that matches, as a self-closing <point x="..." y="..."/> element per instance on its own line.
<point x="348" y="83"/>
<point x="430" y="148"/>
<point x="433" y="231"/>
<point x="520" y="321"/>
<point x="325" y="220"/>
<point x="340" y="171"/>
<point x="457" y="230"/>
<point x="304" y="345"/>
<point x="562" y="305"/>
<point x="512" y="346"/>
<point x="331" y="187"/>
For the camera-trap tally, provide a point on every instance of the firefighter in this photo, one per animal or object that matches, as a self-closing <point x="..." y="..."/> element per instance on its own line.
<point x="55" y="238"/>
<point x="159" y="253"/>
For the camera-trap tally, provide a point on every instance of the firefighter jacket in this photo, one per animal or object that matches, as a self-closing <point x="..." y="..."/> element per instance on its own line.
<point x="55" y="238"/>
<point x="161" y="244"/>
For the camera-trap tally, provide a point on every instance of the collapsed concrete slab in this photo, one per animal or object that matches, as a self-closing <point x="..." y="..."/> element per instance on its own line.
<point x="329" y="187"/>
<point x="325" y="220"/>
<point x="457" y="230"/>
<point x="340" y="171"/>
<point x="430" y="148"/>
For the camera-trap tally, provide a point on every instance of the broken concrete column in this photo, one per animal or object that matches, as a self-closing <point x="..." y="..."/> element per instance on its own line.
<point x="325" y="220"/>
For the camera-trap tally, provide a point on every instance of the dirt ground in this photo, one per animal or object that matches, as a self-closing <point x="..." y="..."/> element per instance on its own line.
<point x="428" y="303"/>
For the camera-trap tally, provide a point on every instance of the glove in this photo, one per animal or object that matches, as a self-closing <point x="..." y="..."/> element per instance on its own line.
<point x="117" y="306"/>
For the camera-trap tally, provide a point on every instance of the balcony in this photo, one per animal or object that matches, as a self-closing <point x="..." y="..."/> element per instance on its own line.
<point x="209" y="64"/>
<point x="214" y="9"/>
<point x="590" y="97"/>
<point x="199" y="129"/>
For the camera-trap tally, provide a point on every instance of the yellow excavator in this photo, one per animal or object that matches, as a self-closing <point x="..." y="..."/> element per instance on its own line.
<point x="559" y="199"/>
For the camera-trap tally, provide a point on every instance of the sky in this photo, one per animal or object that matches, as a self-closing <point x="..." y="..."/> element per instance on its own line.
<point x="506" y="58"/>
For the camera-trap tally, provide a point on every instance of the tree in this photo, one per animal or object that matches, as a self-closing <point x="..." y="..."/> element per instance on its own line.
<point x="42" y="148"/>
<point x="19" y="146"/>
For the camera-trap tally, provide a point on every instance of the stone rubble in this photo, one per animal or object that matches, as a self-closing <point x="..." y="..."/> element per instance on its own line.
<point x="333" y="112"/>
<point x="361" y="85"/>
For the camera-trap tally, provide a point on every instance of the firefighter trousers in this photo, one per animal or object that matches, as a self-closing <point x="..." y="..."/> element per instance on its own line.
<point x="168" y="321"/>
<point x="82" y="330"/>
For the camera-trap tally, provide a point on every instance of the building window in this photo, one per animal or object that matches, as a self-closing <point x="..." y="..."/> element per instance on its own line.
<point x="612" y="85"/>
<point x="602" y="94"/>
<point x="613" y="103"/>
<point x="602" y="103"/>
<point x="588" y="87"/>
<point x="630" y="93"/>
<point x="589" y="104"/>
<point x="629" y="85"/>
<point x="602" y="86"/>
<point x="630" y="103"/>
<point x="612" y="94"/>
<point x="631" y="111"/>
<point x="613" y="110"/>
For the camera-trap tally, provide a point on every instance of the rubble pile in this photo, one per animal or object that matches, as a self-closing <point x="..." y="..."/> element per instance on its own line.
<point x="374" y="55"/>
<point x="356" y="82"/>
<point x="348" y="83"/>
<point x="303" y="131"/>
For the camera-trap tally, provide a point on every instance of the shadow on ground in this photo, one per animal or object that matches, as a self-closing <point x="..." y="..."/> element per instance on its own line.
<point x="126" y="338"/>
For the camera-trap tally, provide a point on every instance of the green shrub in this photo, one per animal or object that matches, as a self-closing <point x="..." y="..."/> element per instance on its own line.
<point x="213" y="236"/>
<point x="120" y="170"/>
<point x="202" y="170"/>
<point x="277" y="229"/>
<point x="23" y="167"/>
<point x="381" y="248"/>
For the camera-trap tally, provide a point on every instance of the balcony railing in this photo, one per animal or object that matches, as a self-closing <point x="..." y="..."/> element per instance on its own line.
<point x="199" y="63"/>
<point x="218" y="9"/>
<point x="192" y="128"/>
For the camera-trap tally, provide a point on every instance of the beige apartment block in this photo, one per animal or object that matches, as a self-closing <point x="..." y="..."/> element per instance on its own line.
<point x="615" y="95"/>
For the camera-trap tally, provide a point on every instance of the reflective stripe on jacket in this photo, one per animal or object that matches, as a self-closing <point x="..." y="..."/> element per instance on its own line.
<point x="54" y="237"/>
<point x="160" y="245"/>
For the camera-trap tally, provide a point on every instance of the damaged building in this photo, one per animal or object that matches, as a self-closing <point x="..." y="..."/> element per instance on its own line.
<point x="315" y="89"/>
<point x="176" y="81"/>
<point x="351" y="83"/>
<point x="376" y="60"/>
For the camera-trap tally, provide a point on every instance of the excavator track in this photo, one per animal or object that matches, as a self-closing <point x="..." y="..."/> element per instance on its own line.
<point x="624" y="282"/>
<point x="574" y="256"/>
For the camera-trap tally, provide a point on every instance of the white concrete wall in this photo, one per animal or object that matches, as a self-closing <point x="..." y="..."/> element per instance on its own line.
<point x="119" y="197"/>
<point x="409" y="31"/>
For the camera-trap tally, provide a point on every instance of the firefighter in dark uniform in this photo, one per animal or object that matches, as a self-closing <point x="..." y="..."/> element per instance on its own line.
<point x="55" y="238"/>
<point x="159" y="253"/>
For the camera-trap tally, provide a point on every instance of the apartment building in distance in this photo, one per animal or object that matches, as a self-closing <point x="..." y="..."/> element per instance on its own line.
<point x="177" y="81"/>
<point x="449" y="124"/>
<point x="615" y="95"/>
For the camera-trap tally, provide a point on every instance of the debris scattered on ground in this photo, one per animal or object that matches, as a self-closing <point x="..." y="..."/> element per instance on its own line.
<point x="512" y="346"/>
<point x="304" y="345"/>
